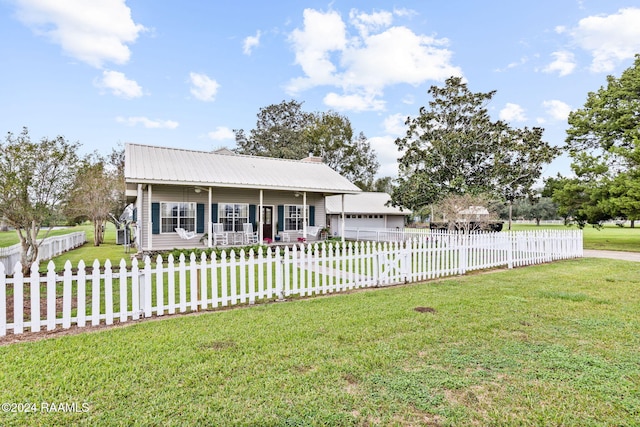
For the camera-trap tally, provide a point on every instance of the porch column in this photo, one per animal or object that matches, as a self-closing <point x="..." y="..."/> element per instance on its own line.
<point x="304" y="215"/>
<point x="260" y="219"/>
<point x="342" y="216"/>
<point x="150" y="222"/>
<point x="210" y="223"/>
<point x="140" y="209"/>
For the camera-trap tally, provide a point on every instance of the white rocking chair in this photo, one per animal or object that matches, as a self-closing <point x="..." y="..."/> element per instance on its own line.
<point x="219" y="235"/>
<point x="184" y="234"/>
<point x="250" y="236"/>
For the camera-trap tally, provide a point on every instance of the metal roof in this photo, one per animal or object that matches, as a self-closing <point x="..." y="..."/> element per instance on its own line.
<point x="369" y="203"/>
<point x="148" y="164"/>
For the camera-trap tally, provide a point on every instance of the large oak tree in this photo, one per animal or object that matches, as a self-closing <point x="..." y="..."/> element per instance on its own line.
<point x="286" y="131"/>
<point x="454" y="147"/>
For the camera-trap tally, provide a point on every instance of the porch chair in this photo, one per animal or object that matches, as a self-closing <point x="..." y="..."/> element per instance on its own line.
<point x="250" y="236"/>
<point x="313" y="232"/>
<point x="184" y="234"/>
<point x="219" y="235"/>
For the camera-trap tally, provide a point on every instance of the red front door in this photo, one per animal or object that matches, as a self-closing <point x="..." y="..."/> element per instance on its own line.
<point x="267" y="222"/>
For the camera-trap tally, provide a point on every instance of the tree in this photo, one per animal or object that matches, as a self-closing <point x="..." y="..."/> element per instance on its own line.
<point x="604" y="139"/>
<point x="280" y="132"/>
<point x="536" y="208"/>
<point x="34" y="178"/>
<point x="286" y="131"/>
<point x="97" y="193"/>
<point x="465" y="212"/>
<point x="453" y="147"/>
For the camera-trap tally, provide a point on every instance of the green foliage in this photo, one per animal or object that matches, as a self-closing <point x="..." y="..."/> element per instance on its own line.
<point x="35" y="177"/>
<point x="453" y="147"/>
<point x="98" y="191"/>
<point x="604" y="141"/>
<point x="286" y="131"/>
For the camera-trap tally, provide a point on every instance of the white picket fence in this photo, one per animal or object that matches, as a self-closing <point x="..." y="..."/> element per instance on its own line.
<point x="51" y="247"/>
<point x="108" y="294"/>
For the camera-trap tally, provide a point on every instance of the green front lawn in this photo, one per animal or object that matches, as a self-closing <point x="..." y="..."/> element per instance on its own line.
<point x="610" y="237"/>
<point x="555" y="344"/>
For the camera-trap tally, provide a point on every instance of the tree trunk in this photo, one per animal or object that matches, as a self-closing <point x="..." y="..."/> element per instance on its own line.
<point x="633" y="223"/>
<point x="510" y="212"/>
<point x="97" y="232"/>
<point x="29" y="243"/>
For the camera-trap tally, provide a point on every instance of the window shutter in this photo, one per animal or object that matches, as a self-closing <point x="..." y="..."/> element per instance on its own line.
<point x="135" y="214"/>
<point x="252" y="216"/>
<point x="200" y="218"/>
<point x="312" y="216"/>
<point x="155" y="218"/>
<point x="280" y="217"/>
<point x="214" y="212"/>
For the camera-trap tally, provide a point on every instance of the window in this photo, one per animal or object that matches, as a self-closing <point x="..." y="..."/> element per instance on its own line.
<point x="233" y="215"/>
<point x="177" y="215"/>
<point x="293" y="217"/>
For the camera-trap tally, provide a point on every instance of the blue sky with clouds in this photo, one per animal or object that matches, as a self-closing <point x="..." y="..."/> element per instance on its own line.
<point x="184" y="74"/>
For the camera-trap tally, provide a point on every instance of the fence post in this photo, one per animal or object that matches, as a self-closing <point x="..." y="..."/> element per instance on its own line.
<point x="3" y="301"/>
<point x="135" y="289"/>
<point x="509" y="238"/>
<point x="146" y="284"/>
<point x="463" y="244"/>
<point x="279" y="275"/>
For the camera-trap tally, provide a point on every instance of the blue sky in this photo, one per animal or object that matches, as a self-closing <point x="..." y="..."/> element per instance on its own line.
<point x="184" y="74"/>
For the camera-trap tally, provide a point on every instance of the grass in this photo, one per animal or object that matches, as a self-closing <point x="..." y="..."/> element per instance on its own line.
<point x="555" y="344"/>
<point x="610" y="237"/>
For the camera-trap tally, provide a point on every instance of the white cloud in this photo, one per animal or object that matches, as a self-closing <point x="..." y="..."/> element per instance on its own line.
<point x="564" y="63"/>
<point x="250" y="42"/>
<point x="610" y="39"/>
<point x="148" y="123"/>
<point x="387" y="154"/>
<point x="365" y="23"/>
<point x="93" y="32"/>
<point x="204" y="88"/>
<point x="119" y="85"/>
<point x="512" y="113"/>
<point x="221" y="133"/>
<point x="558" y="110"/>
<point x="395" y="124"/>
<point x="363" y="64"/>
<point x="353" y="102"/>
<point x="322" y="34"/>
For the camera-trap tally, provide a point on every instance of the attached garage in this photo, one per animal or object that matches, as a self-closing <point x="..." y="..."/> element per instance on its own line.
<point x="364" y="211"/>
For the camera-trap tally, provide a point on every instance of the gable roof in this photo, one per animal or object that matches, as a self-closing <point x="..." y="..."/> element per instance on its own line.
<point x="370" y="203"/>
<point x="148" y="164"/>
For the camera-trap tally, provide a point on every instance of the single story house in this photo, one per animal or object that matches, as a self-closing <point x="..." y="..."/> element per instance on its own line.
<point x="366" y="210"/>
<point x="181" y="196"/>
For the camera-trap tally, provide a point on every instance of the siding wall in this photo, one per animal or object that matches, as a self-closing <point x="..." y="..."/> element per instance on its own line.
<point x="164" y="193"/>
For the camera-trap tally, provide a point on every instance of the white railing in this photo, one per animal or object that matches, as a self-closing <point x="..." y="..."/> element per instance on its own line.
<point x="51" y="247"/>
<point x="108" y="294"/>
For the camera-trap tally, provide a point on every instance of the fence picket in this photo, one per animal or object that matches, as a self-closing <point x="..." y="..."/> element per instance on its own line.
<point x="3" y="302"/>
<point x="18" y="299"/>
<point x="122" y="279"/>
<point x="34" y="288"/>
<point x="66" y="296"/>
<point x="304" y="270"/>
<point x="81" y="297"/>
<point x="52" y="297"/>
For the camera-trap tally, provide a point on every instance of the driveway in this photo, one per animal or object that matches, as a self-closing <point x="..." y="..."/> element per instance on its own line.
<point x="624" y="256"/>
